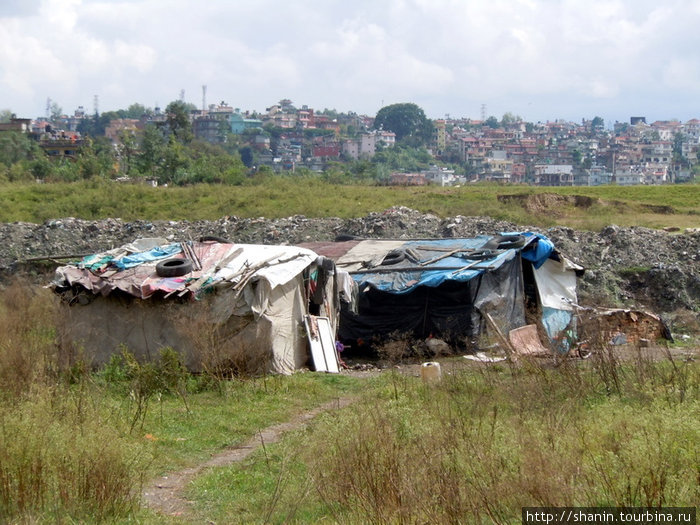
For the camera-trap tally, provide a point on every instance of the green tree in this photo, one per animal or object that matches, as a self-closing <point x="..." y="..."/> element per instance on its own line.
<point x="678" y="147"/>
<point x="56" y="111"/>
<point x="247" y="156"/>
<point x="509" y="118"/>
<point x="577" y="157"/>
<point x="407" y="121"/>
<point x="403" y="158"/>
<point x="16" y="146"/>
<point x="127" y="150"/>
<point x="175" y="163"/>
<point x="96" y="158"/>
<point x="96" y="125"/>
<point x="178" y="121"/>
<point x="151" y="152"/>
<point x="5" y="116"/>
<point x="137" y="111"/>
<point x="492" y="122"/>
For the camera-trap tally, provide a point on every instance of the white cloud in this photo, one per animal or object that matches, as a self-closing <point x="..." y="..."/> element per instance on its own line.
<point x="545" y="57"/>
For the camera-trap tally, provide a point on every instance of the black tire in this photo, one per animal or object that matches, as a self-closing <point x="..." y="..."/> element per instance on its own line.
<point x="174" y="267"/>
<point x="393" y="257"/>
<point x="342" y="237"/>
<point x="214" y="238"/>
<point x="481" y="255"/>
<point x="506" y="242"/>
<point x="584" y="351"/>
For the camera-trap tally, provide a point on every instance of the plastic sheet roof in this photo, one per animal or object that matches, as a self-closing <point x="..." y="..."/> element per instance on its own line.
<point x="132" y="268"/>
<point x="431" y="262"/>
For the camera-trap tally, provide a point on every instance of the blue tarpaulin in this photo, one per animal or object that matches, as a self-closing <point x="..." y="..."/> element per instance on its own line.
<point x="457" y="267"/>
<point x="159" y="252"/>
<point x="537" y="252"/>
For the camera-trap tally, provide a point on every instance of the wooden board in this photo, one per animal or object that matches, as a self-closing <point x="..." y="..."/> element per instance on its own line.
<point x="322" y="343"/>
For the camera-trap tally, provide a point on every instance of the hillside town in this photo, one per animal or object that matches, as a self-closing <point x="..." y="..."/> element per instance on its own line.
<point x="464" y="150"/>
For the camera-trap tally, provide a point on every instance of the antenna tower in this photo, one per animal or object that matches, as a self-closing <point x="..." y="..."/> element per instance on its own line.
<point x="48" y="107"/>
<point x="96" y="104"/>
<point x="483" y="112"/>
<point x="182" y="95"/>
<point x="204" y="97"/>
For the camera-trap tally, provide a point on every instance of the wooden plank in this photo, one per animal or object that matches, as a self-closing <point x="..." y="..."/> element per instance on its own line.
<point x="322" y="344"/>
<point x="510" y="352"/>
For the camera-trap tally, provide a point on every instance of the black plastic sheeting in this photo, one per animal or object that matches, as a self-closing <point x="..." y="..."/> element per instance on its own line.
<point x="451" y="311"/>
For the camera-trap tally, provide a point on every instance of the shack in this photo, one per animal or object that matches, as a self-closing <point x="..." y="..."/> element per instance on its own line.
<point x="219" y="304"/>
<point x="449" y="288"/>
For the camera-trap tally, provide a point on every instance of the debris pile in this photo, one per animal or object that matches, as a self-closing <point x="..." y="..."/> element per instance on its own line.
<point x="626" y="267"/>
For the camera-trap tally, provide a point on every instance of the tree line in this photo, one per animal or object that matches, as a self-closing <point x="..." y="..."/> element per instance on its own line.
<point x="167" y="151"/>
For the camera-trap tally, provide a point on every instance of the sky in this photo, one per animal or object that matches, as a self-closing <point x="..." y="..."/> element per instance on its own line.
<point x="541" y="60"/>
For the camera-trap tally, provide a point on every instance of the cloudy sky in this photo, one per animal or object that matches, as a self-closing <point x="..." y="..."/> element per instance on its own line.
<point x="540" y="59"/>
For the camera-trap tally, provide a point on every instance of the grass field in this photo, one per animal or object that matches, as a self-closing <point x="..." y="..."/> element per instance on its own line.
<point x="76" y="446"/>
<point x="477" y="448"/>
<point x="283" y="196"/>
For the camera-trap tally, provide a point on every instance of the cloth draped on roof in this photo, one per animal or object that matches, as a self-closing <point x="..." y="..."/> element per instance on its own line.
<point x="443" y="286"/>
<point x="135" y="273"/>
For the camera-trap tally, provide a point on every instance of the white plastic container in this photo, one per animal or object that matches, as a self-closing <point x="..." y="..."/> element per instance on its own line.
<point x="430" y="372"/>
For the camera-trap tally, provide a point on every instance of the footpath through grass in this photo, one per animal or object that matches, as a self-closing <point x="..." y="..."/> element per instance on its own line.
<point x="477" y="448"/>
<point x="283" y="196"/>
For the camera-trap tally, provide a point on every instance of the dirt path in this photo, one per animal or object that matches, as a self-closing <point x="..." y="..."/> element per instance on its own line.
<point x="165" y="494"/>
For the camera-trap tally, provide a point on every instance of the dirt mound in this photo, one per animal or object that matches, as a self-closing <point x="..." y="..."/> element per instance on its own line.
<point x="550" y="203"/>
<point x="660" y="209"/>
<point x="636" y="267"/>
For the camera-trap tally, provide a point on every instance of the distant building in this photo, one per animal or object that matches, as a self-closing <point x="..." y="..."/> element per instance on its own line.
<point x="366" y="145"/>
<point x="117" y="126"/>
<point x="23" y="125"/>
<point x="442" y="176"/>
<point x="60" y="145"/>
<point x="554" y="175"/>
<point x="240" y="123"/>
<point x="407" y="179"/>
<point x="439" y="136"/>
<point x="210" y="129"/>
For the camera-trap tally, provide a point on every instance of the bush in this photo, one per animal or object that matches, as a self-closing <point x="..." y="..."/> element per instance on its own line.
<point x="28" y="355"/>
<point x="145" y="381"/>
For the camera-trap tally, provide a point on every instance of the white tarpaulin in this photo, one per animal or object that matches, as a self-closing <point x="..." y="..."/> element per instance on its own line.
<point x="556" y="285"/>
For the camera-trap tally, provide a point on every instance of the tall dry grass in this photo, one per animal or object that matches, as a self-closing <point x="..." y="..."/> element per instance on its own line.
<point x="64" y="453"/>
<point x="490" y="440"/>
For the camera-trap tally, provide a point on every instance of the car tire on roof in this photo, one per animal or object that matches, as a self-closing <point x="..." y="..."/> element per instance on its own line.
<point x="506" y="242"/>
<point x="173" y="267"/>
<point x="394" y="257"/>
<point x="481" y="255"/>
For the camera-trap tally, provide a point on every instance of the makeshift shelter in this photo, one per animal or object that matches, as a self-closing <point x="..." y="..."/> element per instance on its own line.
<point x="216" y="303"/>
<point x="444" y="288"/>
